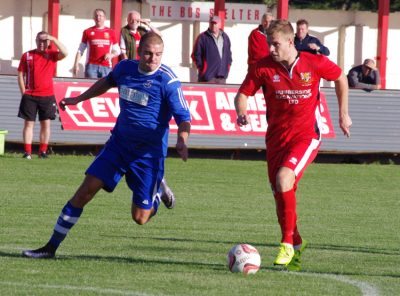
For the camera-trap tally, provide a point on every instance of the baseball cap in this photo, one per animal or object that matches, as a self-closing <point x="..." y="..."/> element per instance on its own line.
<point x="369" y="63"/>
<point x="215" y="19"/>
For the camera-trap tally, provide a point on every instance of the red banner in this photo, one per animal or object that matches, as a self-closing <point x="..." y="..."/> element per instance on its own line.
<point x="212" y="109"/>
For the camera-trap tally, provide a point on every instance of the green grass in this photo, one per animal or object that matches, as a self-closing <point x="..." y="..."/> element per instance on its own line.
<point x="348" y="213"/>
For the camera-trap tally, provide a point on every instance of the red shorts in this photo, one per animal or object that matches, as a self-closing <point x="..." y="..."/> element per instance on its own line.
<point x="296" y="157"/>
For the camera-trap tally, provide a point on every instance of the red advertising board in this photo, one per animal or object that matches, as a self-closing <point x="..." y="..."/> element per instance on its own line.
<point x="212" y="109"/>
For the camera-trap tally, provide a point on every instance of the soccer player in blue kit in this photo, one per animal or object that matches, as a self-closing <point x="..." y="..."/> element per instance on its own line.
<point x="150" y="94"/>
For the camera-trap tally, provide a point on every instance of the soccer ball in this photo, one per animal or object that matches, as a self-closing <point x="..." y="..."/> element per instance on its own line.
<point x="244" y="258"/>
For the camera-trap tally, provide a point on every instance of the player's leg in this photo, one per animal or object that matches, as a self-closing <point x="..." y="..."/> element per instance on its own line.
<point x="27" y="110"/>
<point x="166" y="194"/>
<point x="285" y="200"/>
<point x="27" y="135"/>
<point x="68" y="217"/>
<point x="104" y="172"/>
<point x="44" y="137"/>
<point x="144" y="178"/>
<point x="296" y="161"/>
<point x="47" y="108"/>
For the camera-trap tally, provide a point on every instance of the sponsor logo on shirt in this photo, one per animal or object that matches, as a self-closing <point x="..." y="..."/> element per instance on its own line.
<point x="293" y="95"/>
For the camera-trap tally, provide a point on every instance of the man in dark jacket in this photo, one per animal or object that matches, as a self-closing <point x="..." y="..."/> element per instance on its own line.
<point x="365" y="76"/>
<point x="305" y="42"/>
<point x="212" y="53"/>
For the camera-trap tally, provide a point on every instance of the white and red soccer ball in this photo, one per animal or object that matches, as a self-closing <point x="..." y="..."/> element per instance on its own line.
<point x="244" y="258"/>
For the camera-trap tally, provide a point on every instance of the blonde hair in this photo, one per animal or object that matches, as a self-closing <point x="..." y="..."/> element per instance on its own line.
<point x="281" y="26"/>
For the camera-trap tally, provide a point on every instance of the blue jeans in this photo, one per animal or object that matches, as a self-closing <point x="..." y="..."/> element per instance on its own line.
<point x="96" y="71"/>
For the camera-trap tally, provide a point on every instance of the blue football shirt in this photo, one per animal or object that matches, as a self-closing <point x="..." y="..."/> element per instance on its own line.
<point x="147" y="103"/>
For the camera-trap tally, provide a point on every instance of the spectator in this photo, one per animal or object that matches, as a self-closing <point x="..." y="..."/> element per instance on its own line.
<point x="305" y="42"/>
<point x="35" y="80"/>
<point x="258" y="47"/>
<point x="212" y="53"/>
<point x="365" y="76"/>
<point x="102" y="47"/>
<point x="131" y="34"/>
<point x="290" y="83"/>
<point x="150" y="94"/>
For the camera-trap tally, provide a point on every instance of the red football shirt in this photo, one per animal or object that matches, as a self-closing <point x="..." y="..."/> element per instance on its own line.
<point x="39" y="69"/>
<point x="292" y="97"/>
<point x="99" y="42"/>
<point x="258" y="47"/>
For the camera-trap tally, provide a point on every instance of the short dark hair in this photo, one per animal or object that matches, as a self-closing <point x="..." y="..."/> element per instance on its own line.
<point x="302" y="22"/>
<point x="151" y="37"/>
<point x="99" y="9"/>
<point x="41" y="33"/>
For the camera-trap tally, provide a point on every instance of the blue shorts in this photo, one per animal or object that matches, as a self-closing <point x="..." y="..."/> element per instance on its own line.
<point x="143" y="175"/>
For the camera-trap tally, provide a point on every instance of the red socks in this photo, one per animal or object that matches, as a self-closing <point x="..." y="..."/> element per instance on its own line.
<point x="286" y="212"/>
<point x="43" y="148"/>
<point x="28" y="148"/>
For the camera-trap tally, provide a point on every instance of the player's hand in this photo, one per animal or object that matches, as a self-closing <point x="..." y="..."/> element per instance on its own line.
<point x="75" y="70"/>
<point x="145" y="22"/>
<point x="313" y="46"/>
<point x="345" y="124"/>
<point x="108" y="57"/>
<point x="68" y="101"/>
<point x="242" y="120"/>
<point x="182" y="149"/>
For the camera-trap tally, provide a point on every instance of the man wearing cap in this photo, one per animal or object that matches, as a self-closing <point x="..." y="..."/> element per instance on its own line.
<point x="365" y="76"/>
<point x="212" y="53"/>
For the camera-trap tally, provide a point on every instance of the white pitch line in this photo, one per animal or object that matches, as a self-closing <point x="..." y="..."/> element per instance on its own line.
<point x="77" y="288"/>
<point x="365" y="288"/>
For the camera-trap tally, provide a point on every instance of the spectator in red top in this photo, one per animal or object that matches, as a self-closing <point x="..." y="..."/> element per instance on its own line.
<point x="35" y="80"/>
<point x="258" y="46"/>
<point x="102" y="47"/>
<point x="290" y="83"/>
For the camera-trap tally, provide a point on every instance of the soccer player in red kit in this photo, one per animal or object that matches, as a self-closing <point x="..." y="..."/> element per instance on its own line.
<point x="102" y="46"/>
<point x="35" y="80"/>
<point x="290" y="82"/>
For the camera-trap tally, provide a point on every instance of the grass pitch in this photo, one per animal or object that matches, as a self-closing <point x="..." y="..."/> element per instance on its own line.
<point x="348" y="213"/>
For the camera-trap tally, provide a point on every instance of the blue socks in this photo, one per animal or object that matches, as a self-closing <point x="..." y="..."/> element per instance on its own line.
<point x="67" y="219"/>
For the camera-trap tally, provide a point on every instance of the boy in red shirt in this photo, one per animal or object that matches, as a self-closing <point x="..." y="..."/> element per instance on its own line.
<point x="290" y="82"/>
<point x="35" y="80"/>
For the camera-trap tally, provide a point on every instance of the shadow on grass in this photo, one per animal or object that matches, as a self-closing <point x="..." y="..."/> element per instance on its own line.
<point x="355" y="249"/>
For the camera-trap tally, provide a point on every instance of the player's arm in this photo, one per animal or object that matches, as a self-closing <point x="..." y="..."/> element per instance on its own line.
<point x="115" y="51"/>
<point x="197" y="53"/>
<point x="63" y="52"/>
<point x="241" y="109"/>
<point x="81" y="50"/>
<point x="181" y="142"/>
<point x="342" y="93"/>
<point x="99" y="88"/>
<point x="21" y="82"/>
<point x="147" y="22"/>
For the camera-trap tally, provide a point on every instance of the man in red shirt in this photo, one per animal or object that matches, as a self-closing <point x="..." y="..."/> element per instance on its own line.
<point x="102" y="47"/>
<point x="290" y="82"/>
<point x="35" y="80"/>
<point x="257" y="44"/>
